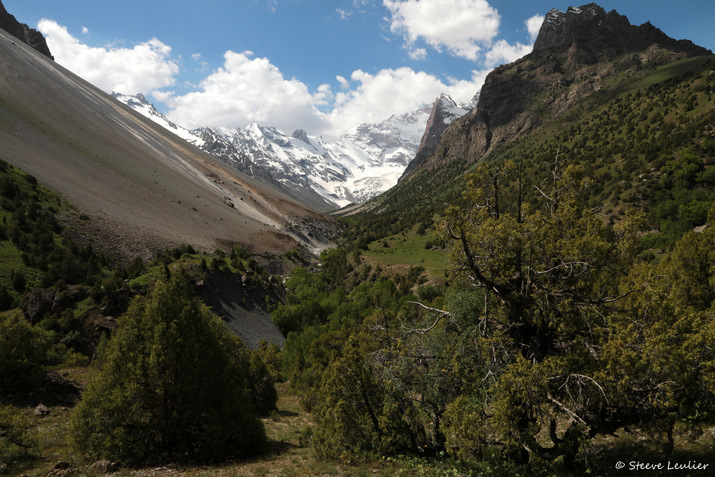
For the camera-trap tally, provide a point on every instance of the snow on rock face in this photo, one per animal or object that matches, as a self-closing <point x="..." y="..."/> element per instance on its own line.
<point x="557" y="24"/>
<point x="140" y="104"/>
<point x="361" y="164"/>
<point x="443" y="112"/>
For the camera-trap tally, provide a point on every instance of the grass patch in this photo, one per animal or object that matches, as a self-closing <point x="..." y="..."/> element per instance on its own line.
<point x="670" y="71"/>
<point x="410" y="249"/>
<point x="11" y="259"/>
<point x="287" y="454"/>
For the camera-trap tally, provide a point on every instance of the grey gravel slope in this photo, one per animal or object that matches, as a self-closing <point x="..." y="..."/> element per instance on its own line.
<point x="142" y="186"/>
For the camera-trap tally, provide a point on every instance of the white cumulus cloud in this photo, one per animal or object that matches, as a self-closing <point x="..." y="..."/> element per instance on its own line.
<point x="533" y="25"/>
<point x="502" y="52"/>
<point x="462" y="27"/>
<point x="375" y="97"/>
<point x="142" y="68"/>
<point x="418" y="54"/>
<point x="343" y="82"/>
<point x="246" y="90"/>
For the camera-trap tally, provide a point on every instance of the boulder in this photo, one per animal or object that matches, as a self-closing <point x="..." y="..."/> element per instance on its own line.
<point x="37" y="303"/>
<point x="57" y="390"/>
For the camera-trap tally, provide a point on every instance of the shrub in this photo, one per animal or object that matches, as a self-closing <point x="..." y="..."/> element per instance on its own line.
<point x="15" y="430"/>
<point x="174" y="386"/>
<point x="22" y="350"/>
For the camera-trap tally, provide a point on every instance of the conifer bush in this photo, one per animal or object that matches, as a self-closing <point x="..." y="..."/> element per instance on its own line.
<point x="22" y="351"/>
<point x="175" y="385"/>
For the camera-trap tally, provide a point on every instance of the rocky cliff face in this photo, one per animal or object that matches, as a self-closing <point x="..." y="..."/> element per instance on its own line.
<point x="444" y="112"/>
<point x="23" y="32"/>
<point x="575" y="54"/>
<point x="604" y="35"/>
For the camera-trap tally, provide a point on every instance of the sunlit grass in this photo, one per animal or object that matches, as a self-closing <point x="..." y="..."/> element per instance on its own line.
<point x="410" y="249"/>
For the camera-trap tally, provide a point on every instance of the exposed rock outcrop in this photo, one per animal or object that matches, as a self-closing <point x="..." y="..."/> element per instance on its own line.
<point x="96" y="324"/>
<point x="444" y="112"/>
<point x="23" y="32"/>
<point x="574" y="56"/>
<point x="302" y="135"/>
<point x="57" y="390"/>
<point x="39" y="302"/>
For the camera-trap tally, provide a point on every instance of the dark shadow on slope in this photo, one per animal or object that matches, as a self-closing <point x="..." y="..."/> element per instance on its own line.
<point x="242" y="307"/>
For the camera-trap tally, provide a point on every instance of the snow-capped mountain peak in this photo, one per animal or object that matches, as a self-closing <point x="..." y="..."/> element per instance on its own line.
<point x="364" y="162"/>
<point x="141" y="105"/>
<point x="442" y="113"/>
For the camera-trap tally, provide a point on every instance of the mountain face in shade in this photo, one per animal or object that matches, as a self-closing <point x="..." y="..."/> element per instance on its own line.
<point x="603" y="35"/>
<point x="23" y="32"/>
<point x="444" y="112"/>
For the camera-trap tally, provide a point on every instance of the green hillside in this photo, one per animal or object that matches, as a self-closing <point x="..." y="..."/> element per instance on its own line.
<point x="647" y="144"/>
<point x="34" y="253"/>
<point x="544" y="310"/>
<point x="564" y="296"/>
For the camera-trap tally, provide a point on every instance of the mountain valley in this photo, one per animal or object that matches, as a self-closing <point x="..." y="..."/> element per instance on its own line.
<point x="363" y="163"/>
<point x="522" y="286"/>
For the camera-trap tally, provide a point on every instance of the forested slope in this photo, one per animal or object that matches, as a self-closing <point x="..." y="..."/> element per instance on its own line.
<point x="578" y="303"/>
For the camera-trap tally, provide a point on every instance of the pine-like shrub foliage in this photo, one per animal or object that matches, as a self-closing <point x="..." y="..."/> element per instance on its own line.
<point x="174" y="386"/>
<point x="22" y="350"/>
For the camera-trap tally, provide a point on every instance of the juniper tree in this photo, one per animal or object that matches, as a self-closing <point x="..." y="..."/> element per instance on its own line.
<point x="174" y="385"/>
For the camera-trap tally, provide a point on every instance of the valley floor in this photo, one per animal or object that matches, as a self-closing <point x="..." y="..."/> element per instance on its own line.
<point x="290" y="455"/>
<point x="287" y="455"/>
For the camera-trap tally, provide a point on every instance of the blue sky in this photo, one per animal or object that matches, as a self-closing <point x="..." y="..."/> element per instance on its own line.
<point x="320" y="65"/>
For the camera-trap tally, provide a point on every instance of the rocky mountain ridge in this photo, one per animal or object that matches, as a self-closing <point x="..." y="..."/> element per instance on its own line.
<point x="23" y="32"/>
<point x="444" y="112"/>
<point x="603" y="34"/>
<point x="576" y="53"/>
